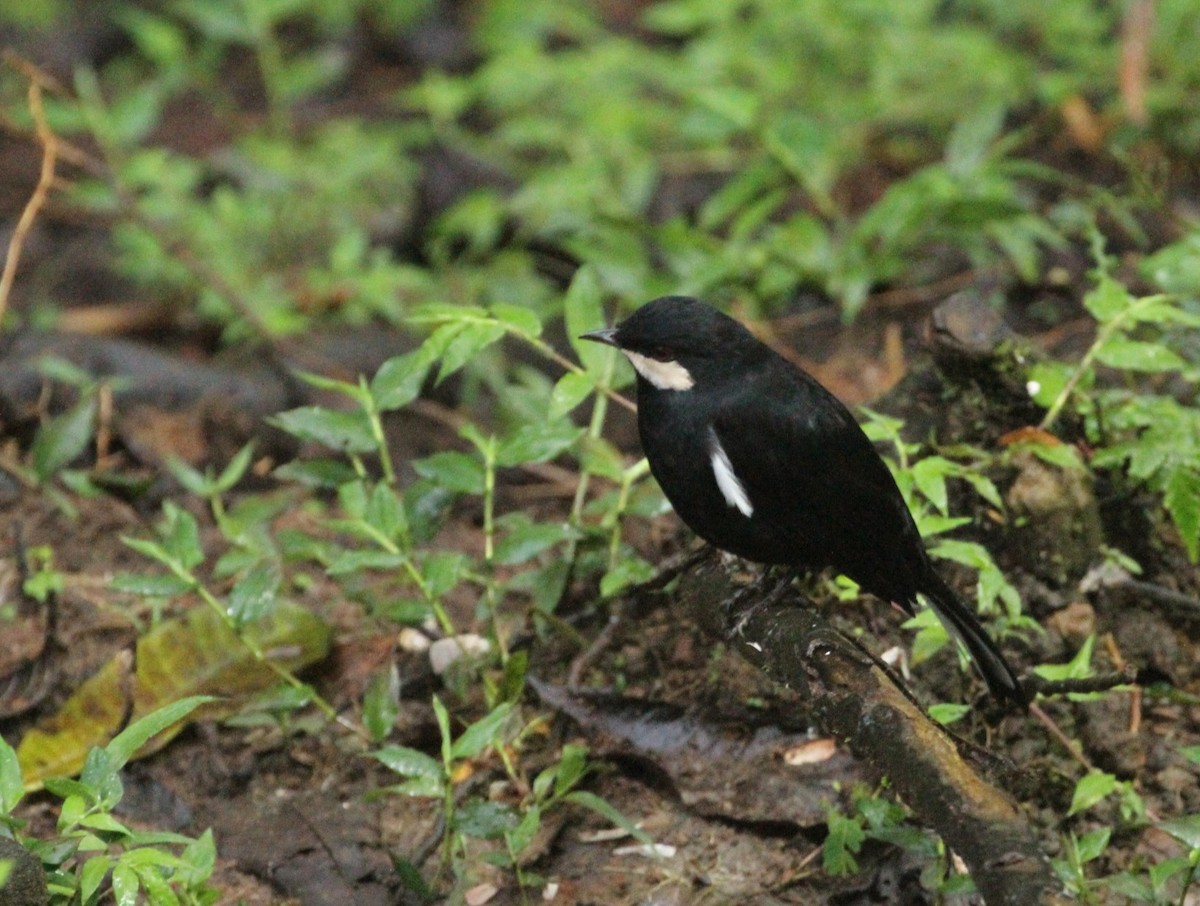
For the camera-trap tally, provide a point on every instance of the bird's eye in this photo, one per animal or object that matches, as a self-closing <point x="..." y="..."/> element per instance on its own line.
<point x="660" y="353"/>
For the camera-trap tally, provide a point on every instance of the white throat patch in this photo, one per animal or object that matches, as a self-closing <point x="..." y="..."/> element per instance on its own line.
<point x="731" y="486"/>
<point x="663" y="375"/>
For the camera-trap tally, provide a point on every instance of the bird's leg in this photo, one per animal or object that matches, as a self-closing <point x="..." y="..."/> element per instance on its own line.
<point x="769" y="589"/>
<point x="781" y="578"/>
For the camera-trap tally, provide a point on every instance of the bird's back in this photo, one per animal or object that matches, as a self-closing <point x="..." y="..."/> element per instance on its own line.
<point x="818" y="492"/>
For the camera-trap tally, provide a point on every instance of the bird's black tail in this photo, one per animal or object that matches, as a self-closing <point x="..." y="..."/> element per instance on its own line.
<point x="962" y="622"/>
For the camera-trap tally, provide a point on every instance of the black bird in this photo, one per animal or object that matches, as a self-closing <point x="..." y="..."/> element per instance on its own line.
<point x="762" y="461"/>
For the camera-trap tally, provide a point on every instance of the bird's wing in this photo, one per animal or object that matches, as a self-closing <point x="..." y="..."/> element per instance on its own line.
<point x="813" y="475"/>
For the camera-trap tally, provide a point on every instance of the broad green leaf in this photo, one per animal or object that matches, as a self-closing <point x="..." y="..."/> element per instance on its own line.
<point x="930" y="477"/>
<point x="629" y="570"/>
<point x="348" y="562"/>
<point x="92" y="875"/>
<point x="442" y="570"/>
<point x="181" y="536"/>
<point x="485" y="820"/>
<point x="583" y="312"/>
<point x="63" y="438"/>
<point x="1093" y="844"/>
<point x="125" y="885"/>
<point x="1182" y="500"/>
<point x="846" y="837"/>
<point x="1136" y="355"/>
<point x="454" y="470"/>
<point x="1186" y="830"/>
<point x="399" y="380"/>
<point x="316" y="473"/>
<point x="1090" y="789"/>
<point x="537" y="443"/>
<point x="255" y="594"/>
<point x="1046" y="380"/>
<point x="572" y="766"/>
<point x="522" y="539"/>
<point x="125" y="744"/>
<point x="520" y="320"/>
<point x="481" y="734"/>
<point x="348" y="431"/>
<point x="470" y="340"/>
<point x="381" y="702"/>
<point x="385" y="512"/>
<point x="11" y="786"/>
<point x="570" y="390"/>
<point x="1108" y="300"/>
<point x="948" y="712"/>
<point x="408" y="762"/>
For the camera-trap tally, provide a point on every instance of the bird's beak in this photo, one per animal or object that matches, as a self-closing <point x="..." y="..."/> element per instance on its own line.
<point x="607" y="335"/>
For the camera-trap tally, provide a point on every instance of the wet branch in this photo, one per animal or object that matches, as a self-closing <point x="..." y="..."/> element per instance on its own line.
<point x="853" y="699"/>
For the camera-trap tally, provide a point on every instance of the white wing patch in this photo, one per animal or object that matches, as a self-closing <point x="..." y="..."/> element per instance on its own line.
<point x="731" y="486"/>
<point x="663" y="375"/>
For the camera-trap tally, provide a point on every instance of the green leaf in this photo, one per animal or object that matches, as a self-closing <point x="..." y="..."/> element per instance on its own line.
<point x="255" y="594"/>
<point x="422" y="788"/>
<point x="350" y="389"/>
<point x="125" y="744"/>
<point x="572" y="767"/>
<point x="929" y="474"/>
<point x="570" y="390"/>
<point x="125" y="885"/>
<point x="1090" y="789"/>
<point x="408" y="762"/>
<point x="846" y="836"/>
<point x="522" y="539"/>
<point x="454" y="470"/>
<point x="481" y="734"/>
<point x="628" y="570"/>
<point x="518" y="319"/>
<point x="485" y="820"/>
<point x="1091" y="845"/>
<point x="1046" y="380"/>
<point x="1135" y="355"/>
<point x="94" y="871"/>
<point x="346" y="431"/>
<point x="1182" y="500"/>
<point x="12" y="788"/>
<point x="399" y="380"/>
<point x="470" y="340"/>
<point x="1186" y="830"/>
<point x="385" y="512"/>
<point x="348" y="562"/>
<point x="316" y="473"/>
<point x="537" y="443"/>
<point x="604" y="809"/>
<point x="237" y="467"/>
<point x="442" y="570"/>
<point x="946" y="713"/>
<point x="582" y="312"/>
<point x="524" y="833"/>
<point x="63" y="439"/>
<point x="181" y="536"/>
<point x="160" y="586"/>
<point x="1109" y="299"/>
<point x="381" y="702"/>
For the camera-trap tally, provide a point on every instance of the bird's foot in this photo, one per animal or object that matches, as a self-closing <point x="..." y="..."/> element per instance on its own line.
<point x="770" y="589"/>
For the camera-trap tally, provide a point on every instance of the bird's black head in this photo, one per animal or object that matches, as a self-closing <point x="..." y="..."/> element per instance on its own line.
<point x="676" y="342"/>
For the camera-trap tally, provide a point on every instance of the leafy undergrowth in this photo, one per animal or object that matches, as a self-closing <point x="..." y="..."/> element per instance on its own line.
<point x="477" y="187"/>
